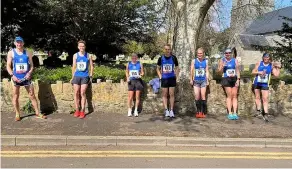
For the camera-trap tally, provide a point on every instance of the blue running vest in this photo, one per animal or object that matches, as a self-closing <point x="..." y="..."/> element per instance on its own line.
<point x="230" y="68"/>
<point x="200" y="69"/>
<point x="134" y="70"/>
<point x="21" y="64"/>
<point x="263" y="80"/>
<point x="82" y="64"/>
<point x="167" y="67"/>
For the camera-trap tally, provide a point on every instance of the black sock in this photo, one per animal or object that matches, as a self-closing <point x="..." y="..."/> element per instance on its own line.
<point x="204" y="106"/>
<point x="198" y="105"/>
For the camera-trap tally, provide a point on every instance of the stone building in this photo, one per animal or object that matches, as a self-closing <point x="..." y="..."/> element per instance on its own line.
<point x="248" y="32"/>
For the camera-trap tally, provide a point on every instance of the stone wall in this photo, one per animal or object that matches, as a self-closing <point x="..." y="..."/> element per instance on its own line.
<point x="108" y="96"/>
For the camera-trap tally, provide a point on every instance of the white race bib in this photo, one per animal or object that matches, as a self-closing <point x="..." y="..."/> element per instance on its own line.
<point x="21" y="67"/>
<point x="263" y="79"/>
<point x="134" y="73"/>
<point x="81" y="66"/>
<point x="167" y="68"/>
<point x="200" y="73"/>
<point x="230" y="72"/>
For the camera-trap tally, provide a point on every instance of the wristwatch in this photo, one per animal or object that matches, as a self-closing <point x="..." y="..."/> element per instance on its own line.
<point x="11" y="75"/>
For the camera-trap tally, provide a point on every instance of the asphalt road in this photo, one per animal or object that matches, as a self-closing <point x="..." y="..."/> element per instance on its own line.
<point x="144" y="157"/>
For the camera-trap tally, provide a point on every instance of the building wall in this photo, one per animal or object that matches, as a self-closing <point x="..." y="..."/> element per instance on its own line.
<point x="249" y="57"/>
<point x="107" y="96"/>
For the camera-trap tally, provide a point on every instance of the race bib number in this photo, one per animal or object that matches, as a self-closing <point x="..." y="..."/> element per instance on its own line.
<point x="167" y="68"/>
<point x="200" y="73"/>
<point x="21" y="68"/>
<point x="81" y="66"/>
<point x="134" y="73"/>
<point x="230" y="72"/>
<point x="263" y="79"/>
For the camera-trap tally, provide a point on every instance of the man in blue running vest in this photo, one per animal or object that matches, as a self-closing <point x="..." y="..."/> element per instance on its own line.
<point x="20" y="68"/>
<point x="168" y="70"/>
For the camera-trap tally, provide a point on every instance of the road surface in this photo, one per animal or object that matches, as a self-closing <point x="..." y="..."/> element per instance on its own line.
<point x="144" y="157"/>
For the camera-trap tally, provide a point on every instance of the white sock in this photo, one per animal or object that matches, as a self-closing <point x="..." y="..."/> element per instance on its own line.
<point x="129" y="109"/>
<point x="136" y="108"/>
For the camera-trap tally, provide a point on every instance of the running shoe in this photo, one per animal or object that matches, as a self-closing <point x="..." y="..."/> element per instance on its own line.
<point x="266" y="118"/>
<point x="230" y="117"/>
<point x="198" y="115"/>
<point x="129" y="113"/>
<point x="258" y="114"/>
<point x="235" y="116"/>
<point x="82" y="115"/>
<point x="77" y="113"/>
<point x="203" y="115"/>
<point x="171" y="113"/>
<point x="136" y="113"/>
<point x="167" y="113"/>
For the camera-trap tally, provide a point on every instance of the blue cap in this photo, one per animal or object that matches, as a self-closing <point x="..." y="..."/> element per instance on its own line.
<point x="18" y="38"/>
<point x="266" y="55"/>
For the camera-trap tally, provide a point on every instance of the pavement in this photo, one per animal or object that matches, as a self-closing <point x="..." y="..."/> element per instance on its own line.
<point x="118" y="124"/>
<point x="143" y="157"/>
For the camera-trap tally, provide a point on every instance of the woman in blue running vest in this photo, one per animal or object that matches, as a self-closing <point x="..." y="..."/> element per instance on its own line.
<point x="263" y="71"/>
<point x="21" y="61"/>
<point x="81" y="77"/>
<point x="199" y="80"/>
<point x="230" y="81"/>
<point x="134" y="72"/>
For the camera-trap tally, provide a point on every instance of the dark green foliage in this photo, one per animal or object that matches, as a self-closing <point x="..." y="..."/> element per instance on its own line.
<point x="58" y="24"/>
<point x="28" y="108"/>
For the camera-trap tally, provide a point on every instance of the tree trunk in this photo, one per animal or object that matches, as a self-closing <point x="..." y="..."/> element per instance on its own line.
<point x="189" y="18"/>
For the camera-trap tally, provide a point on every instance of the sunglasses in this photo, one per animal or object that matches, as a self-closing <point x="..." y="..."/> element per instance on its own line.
<point x="227" y="52"/>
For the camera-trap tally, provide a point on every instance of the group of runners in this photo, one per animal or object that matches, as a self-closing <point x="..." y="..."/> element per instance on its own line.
<point x="20" y="68"/>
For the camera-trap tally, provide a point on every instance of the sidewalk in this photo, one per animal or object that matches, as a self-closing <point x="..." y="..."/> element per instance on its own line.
<point x="117" y="124"/>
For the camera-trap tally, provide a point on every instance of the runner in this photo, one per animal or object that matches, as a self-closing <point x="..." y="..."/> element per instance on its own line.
<point x="168" y="70"/>
<point x="263" y="71"/>
<point x="199" y="79"/>
<point x="21" y="76"/>
<point x="81" y="77"/>
<point x="134" y="71"/>
<point x="230" y="82"/>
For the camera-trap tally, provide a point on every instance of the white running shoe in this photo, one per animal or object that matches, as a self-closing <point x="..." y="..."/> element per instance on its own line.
<point x="171" y="114"/>
<point x="129" y="113"/>
<point x="136" y="113"/>
<point x="166" y="113"/>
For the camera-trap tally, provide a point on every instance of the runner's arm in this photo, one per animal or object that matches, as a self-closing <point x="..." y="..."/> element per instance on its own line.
<point x="176" y="68"/>
<point x="275" y="70"/>
<point x="220" y="66"/>
<point x="207" y="72"/>
<point x="158" y="68"/>
<point x="74" y="65"/>
<point x="192" y="72"/>
<point x="9" y="63"/>
<point x="91" y="65"/>
<point x="30" y="62"/>
<point x="255" y="70"/>
<point x="127" y="72"/>
<point x="237" y="69"/>
<point x="142" y="70"/>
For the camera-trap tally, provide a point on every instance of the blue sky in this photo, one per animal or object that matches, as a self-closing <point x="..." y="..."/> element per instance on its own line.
<point x="224" y="16"/>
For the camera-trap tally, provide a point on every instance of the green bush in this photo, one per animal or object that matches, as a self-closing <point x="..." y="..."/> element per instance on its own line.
<point x="65" y="74"/>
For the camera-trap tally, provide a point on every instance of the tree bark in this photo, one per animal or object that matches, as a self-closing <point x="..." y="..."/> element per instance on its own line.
<point x="189" y="19"/>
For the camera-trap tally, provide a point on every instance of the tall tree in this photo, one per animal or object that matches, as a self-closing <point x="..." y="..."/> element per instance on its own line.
<point x="57" y="24"/>
<point x="188" y="19"/>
